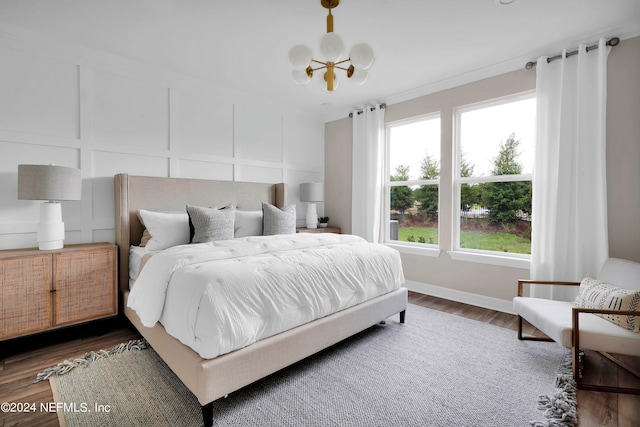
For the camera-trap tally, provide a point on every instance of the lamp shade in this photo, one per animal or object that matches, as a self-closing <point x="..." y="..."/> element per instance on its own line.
<point x="49" y="182"/>
<point x="312" y="192"/>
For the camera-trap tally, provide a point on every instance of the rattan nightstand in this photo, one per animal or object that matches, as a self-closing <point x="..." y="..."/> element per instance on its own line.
<point x="43" y="290"/>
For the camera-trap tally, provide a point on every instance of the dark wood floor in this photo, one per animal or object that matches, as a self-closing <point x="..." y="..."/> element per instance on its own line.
<point x="22" y="359"/>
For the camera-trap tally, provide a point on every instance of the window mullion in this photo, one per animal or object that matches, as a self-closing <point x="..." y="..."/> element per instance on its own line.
<point x="493" y="178"/>
<point x="413" y="183"/>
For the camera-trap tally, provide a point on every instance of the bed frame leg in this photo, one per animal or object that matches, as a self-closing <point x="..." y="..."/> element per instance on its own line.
<point x="207" y="414"/>
<point x="402" y="313"/>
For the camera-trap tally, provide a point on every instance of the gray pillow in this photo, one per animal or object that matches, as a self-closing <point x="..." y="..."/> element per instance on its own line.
<point x="211" y="224"/>
<point x="278" y="221"/>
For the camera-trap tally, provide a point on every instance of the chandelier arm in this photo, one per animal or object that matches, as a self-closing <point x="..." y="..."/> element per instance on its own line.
<point x="319" y="68"/>
<point x="319" y="62"/>
<point x="343" y="61"/>
<point x="341" y="68"/>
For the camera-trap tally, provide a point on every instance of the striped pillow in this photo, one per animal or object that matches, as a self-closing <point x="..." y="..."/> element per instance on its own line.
<point x="601" y="295"/>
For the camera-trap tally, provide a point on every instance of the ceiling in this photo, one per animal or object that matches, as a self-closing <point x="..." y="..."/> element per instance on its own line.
<point x="243" y="44"/>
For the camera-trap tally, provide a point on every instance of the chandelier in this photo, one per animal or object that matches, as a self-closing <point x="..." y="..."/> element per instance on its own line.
<point x="332" y="49"/>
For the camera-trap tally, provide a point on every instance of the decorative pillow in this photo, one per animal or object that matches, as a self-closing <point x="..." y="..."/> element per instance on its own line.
<point x="145" y="238"/>
<point x="211" y="224"/>
<point x="248" y="223"/>
<point x="597" y="294"/>
<point x="167" y="229"/>
<point x="192" y="229"/>
<point x="278" y="221"/>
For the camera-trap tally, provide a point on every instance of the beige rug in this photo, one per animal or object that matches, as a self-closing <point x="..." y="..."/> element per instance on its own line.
<point x="134" y="388"/>
<point x="435" y="370"/>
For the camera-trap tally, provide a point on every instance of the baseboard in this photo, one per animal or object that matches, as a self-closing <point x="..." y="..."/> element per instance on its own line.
<point x="460" y="296"/>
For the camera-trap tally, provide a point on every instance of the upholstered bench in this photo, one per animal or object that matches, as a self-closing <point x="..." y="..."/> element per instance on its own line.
<point x="559" y="320"/>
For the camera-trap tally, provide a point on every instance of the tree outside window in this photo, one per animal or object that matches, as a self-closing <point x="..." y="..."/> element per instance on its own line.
<point x="414" y="160"/>
<point x="494" y="189"/>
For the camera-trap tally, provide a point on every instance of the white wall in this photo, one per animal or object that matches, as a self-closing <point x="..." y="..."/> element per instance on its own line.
<point x="623" y="149"/>
<point x="70" y="106"/>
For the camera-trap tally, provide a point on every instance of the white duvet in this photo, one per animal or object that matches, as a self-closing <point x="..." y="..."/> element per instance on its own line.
<point x="221" y="296"/>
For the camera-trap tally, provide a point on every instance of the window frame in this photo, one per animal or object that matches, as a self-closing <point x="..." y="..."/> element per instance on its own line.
<point x="508" y="259"/>
<point x="415" y="248"/>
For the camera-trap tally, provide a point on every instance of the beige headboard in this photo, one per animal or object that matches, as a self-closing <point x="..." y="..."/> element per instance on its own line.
<point x="133" y="193"/>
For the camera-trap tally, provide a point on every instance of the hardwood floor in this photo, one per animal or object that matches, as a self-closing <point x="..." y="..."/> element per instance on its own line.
<point x="22" y="359"/>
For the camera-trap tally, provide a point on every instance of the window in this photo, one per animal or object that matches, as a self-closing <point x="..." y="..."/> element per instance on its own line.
<point x="413" y="168"/>
<point x="493" y="172"/>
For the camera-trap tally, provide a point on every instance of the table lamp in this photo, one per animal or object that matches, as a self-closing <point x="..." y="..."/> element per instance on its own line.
<point x="52" y="184"/>
<point x="312" y="192"/>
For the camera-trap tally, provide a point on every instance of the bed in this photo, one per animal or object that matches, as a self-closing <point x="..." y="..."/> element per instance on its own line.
<point x="212" y="378"/>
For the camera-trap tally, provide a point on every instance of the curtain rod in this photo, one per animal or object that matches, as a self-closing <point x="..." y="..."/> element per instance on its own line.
<point x="382" y="106"/>
<point x="611" y="42"/>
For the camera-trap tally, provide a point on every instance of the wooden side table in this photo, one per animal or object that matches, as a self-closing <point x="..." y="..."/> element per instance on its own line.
<point x="42" y="290"/>
<point x="335" y="230"/>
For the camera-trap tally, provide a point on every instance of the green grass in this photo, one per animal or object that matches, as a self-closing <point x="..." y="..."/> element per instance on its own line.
<point x="430" y="234"/>
<point x="487" y="241"/>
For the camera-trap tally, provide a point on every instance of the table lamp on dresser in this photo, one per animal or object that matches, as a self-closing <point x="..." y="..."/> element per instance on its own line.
<point x="312" y="192"/>
<point x="52" y="184"/>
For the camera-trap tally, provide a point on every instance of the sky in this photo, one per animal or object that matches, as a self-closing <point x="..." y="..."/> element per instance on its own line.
<point x="482" y="130"/>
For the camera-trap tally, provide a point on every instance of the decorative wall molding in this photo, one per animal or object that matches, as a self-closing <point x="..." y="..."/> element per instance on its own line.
<point x="126" y="116"/>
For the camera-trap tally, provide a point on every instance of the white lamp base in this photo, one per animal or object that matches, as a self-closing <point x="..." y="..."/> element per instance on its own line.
<point x="312" y="216"/>
<point x="50" y="227"/>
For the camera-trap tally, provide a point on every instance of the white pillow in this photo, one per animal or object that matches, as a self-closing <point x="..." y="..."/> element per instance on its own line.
<point x="167" y="229"/>
<point x="278" y="221"/>
<point x="248" y="223"/>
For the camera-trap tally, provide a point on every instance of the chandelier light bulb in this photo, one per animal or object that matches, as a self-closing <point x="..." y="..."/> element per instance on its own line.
<point x="362" y="56"/>
<point x="331" y="47"/>
<point x="359" y="77"/>
<point x="300" y="77"/>
<point x="300" y="56"/>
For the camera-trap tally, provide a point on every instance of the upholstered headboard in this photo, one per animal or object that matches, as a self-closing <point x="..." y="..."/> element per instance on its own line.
<point x="133" y="193"/>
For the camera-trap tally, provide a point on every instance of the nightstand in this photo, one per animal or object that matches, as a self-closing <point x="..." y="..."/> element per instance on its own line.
<point x="41" y="290"/>
<point x="335" y="230"/>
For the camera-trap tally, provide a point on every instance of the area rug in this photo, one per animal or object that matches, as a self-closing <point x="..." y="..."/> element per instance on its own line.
<point x="436" y="369"/>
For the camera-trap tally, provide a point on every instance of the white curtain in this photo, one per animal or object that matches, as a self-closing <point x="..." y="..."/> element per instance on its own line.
<point x="367" y="183"/>
<point x="569" y="229"/>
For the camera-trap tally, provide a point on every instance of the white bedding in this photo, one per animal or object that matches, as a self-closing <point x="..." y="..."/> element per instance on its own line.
<point x="221" y="296"/>
<point x="136" y="256"/>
